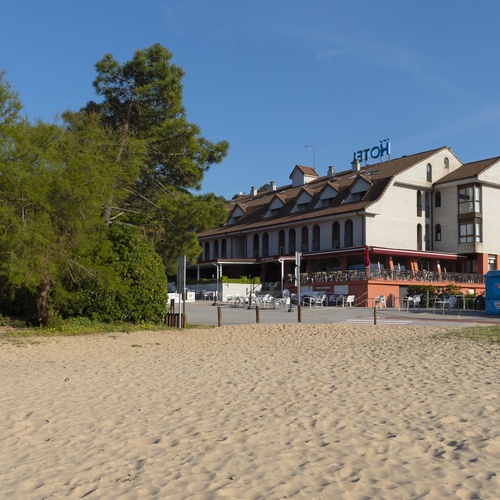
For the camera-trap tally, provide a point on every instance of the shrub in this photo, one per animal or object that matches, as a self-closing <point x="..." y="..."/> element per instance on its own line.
<point x="131" y="286"/>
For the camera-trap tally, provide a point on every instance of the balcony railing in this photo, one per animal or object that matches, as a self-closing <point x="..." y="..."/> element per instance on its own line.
<point x="390" y="275"/>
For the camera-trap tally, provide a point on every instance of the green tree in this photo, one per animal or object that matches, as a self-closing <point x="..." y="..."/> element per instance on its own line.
<point x="142" y="104"/>
<point x="53" y="184"/>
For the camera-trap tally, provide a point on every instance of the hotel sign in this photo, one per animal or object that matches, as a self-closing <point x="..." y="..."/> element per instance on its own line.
<point x="375" y="152"/>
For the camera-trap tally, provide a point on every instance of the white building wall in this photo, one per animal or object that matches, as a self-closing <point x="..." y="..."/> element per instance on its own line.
<point x="446" y="216"/>
<point x="417" y="175"/>
<point x="395" y="222"/>
<point x="491" y="219"/>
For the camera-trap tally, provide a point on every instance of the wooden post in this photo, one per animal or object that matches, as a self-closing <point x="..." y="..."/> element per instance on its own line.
<point x="299" y="313"/>
<point x="257" y="314"/>
<point x="374" y="314"/>
<point x="219" y="316"/>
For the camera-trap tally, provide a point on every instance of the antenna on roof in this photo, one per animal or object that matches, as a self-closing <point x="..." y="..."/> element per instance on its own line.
<point x="313" y="147"/>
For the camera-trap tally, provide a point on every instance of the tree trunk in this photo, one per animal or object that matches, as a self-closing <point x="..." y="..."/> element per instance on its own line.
<point x="42" y="301"/>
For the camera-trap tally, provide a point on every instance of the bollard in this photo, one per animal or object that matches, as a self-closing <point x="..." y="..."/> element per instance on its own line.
<point x="257" y="314"/>
<point x="374" y="315"/>
<point x="299" y="313"/>
<point x="219" y="316"/>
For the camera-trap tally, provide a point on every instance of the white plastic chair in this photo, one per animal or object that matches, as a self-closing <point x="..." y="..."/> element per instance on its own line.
<point x="416" y="302"/>
<point x="320" y="300"/>
<point x="451" y="302"/>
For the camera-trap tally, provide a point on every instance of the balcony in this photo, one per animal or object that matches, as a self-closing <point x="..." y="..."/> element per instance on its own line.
<point x="392" y="275"/>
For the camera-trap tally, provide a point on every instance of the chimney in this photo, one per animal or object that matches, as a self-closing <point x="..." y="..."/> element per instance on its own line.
<point x="273" y="186"/>
<point x="331" y="171"/>
<point x="356" y="165"/>
<point x="253" y="191"/>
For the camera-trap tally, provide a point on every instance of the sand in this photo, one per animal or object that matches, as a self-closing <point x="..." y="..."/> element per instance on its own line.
<point x="251" y="412"/>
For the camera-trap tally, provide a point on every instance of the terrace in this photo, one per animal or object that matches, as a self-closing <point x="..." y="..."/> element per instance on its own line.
<point x="389" y="275"/>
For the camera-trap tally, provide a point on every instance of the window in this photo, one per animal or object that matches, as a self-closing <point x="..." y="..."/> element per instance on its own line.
<point x="224" y="249"/>
<point x="437" y="232"/>
<point x="291" y="241"/>
<point x="336" y="235"/>
<point x="255" y="246"/>
<point x="356" y="196"/>
<point x="477" y="199"/>
<point x="265" y="245"/>
<point x="207" y="251"/>
<point x="281" y="242"/>
<point x="447" y="163"/>
<point x="469" y="199"/>
<point x="427" y="237"/>
<point x="419" y="236"/>
<point x="419" y="204"/>
<point x="316" y="238"/>
<point x="429" y="172"/>
<point x="437" y="199"/>
<point x="427" y="205"/>
<point x="348" y="233"/>
<point x="469" y="231"/>
<point x="491" y="262"/>
<point x="304" y="241"/>
<point x="216" y="249"/>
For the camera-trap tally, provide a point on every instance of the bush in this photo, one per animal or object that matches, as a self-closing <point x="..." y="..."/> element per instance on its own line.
<point x="132" y="285"/>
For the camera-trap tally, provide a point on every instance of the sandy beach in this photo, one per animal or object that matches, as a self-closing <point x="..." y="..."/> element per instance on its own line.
<point x="251" y="412"/>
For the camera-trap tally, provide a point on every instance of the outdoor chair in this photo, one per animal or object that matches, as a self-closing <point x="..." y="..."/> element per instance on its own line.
<point x="283" y="304"/>
<point x="319" y="300"/>
<point x="451" y="302"/>
<point x="416" y="302"/>
<point x="350" y="300"/>
<point x="332" y="300"/>
<point x="307" y="300"/>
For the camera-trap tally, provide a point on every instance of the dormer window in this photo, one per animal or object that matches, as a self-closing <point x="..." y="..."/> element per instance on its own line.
<point x="327" y="195"/>
<point x="302" y="175"/>
<point x="326" y="202"/>
<point x="302" y="201"/>
<point x="274" y="207"/>
<point x="355" y="197"/>
<point x="358" y="189"/>
<point x="236" y="214"/>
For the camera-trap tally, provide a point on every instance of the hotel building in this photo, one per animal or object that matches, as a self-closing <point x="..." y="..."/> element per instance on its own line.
<point x="367" y="231"/>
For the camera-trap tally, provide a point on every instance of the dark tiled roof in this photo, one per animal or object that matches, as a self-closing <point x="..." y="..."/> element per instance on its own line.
<point x="468" y="170"/>
<point x="379" y="175"/>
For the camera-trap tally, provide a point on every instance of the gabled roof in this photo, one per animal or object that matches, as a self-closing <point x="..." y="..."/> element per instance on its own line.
<point x="329" y="186"/>
<point x="468" y="170"/>
<point x="308" y="171"/>
<point x="379" y="176"/>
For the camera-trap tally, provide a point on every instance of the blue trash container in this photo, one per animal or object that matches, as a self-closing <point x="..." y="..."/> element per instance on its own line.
<point x="492" y="286"/>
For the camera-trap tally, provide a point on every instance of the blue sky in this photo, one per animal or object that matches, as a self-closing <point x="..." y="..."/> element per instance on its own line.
<point x="275" y="76"/>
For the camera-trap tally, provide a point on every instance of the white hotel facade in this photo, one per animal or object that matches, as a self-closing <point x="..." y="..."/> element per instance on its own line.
<point x="369" y="230"/>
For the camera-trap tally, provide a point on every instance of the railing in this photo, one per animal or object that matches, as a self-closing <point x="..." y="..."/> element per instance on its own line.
<point x="389" y="275"/>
